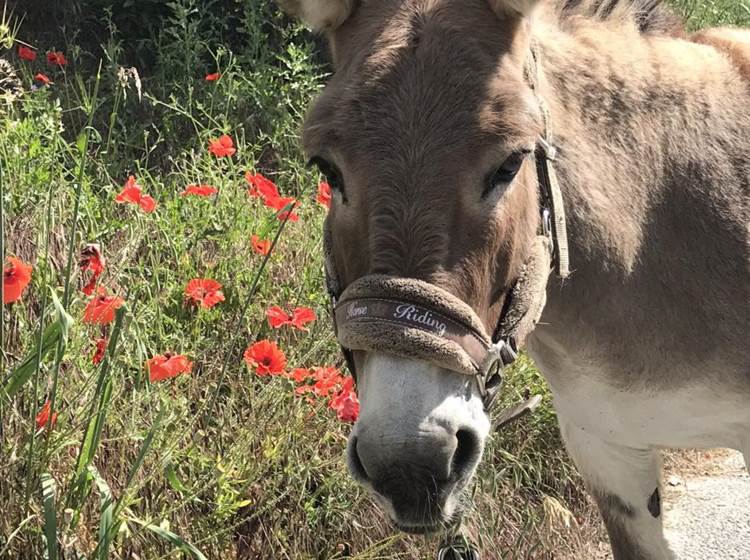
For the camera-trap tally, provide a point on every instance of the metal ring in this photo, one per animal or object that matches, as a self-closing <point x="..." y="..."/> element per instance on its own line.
<point x="458" y="552"/>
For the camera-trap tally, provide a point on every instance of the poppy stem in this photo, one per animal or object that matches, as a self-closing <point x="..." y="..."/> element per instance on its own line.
<point x="83" y="145"/>
<point x="237" y="329"/>
<point x="112" y="119"/>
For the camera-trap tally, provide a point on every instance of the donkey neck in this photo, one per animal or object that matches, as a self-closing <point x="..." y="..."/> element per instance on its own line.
<point x="652" y="165"/>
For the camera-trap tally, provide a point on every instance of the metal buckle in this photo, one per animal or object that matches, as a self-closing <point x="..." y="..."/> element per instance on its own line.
<point x="490" y="379"/>
<point x="550" y="152"/>
<point x="501" y="354"/>
<point x="547" y="227"/>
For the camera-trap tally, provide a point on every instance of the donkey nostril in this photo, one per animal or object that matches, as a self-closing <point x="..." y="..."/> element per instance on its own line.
<point x="466" y="454"/>
<point x="355" y="463"/>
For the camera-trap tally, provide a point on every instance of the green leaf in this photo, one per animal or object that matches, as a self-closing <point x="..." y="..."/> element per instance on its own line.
<point x="53" y="333"/>
<point x="172" y="538"/>
<point x="65" y="320"/>
<point x="82" y="141"/>
<point x="94" y="428"/>
<point x="49" y="489"/>
<point x="173" y="480"/>
<point x="107" y="522"/>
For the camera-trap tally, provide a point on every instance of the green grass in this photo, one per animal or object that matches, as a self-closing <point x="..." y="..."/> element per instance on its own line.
<point x="222" y="462"/>
<point x="705" y="13"/>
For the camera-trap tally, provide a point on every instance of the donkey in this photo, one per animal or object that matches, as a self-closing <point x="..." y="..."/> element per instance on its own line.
<point x="428" y="134"/>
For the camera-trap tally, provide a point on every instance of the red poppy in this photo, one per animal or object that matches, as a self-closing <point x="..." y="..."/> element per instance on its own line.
<point x="101" y="309"/>
<point x="265" y="357"/>
<point x="304" y="390"/>
<point x="16" y="276"/>
<point x="56" y="57"/>
<point x="299" y="375"/>
<point x="324" y="194"/>
<point x="277" y="317"/>
<point x="43" y="417"/>
<point x="147" y="204"/>
<point x="25" y="53"/>
<point x="260" y="186"/>
<point x="91" y="259"/>
<point x="301" y="316"/>
<point x="167" y="366"/>
<point x="212" y="77"/>
<point x="42" y="79"/>
<point x="324" y="381"/>
<point x="101" y="348"/>
<point x="346" y="403"/>
<point x="260" y="246"/>
<point x="279" y="203"/>
<point x="288" y="216"/>
<point x="199" y="190"/>
<point x="222" y="147"/>
<point x="327" y="381"/>
<point x="131" y="193"/>
<point x="204" y="292"/>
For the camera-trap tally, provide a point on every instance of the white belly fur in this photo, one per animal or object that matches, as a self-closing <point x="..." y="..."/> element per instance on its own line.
<point x="699" y="416"/>
<point x="691" y="417"/>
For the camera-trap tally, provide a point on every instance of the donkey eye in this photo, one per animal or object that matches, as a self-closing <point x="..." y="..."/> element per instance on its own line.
<point x="330" y="172"/>
<point x="505" y="174"/>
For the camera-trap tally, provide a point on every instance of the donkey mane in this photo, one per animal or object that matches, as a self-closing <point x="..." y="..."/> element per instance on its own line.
<point x="651" y="17"/>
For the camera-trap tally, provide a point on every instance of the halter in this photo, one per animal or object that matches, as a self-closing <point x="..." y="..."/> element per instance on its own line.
<point x="417" y="320"/>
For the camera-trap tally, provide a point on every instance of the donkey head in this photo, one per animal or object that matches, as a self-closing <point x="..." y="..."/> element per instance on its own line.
<point x="423" y="133"/>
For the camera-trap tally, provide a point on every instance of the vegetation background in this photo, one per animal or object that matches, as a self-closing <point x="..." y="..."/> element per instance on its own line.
<point x="219" y="463"/>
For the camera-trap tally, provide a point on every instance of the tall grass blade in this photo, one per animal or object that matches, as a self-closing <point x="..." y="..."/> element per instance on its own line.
<point x="172" y="538"/>
<point x="39" y="344"/>
<point x="110" y="509"/>
<point x="54" y="335"/>
<point x="142" y="453"/>
<point x="49" y="490"/>
<point x="97" y="415"/>
<point x="171" y="475"/>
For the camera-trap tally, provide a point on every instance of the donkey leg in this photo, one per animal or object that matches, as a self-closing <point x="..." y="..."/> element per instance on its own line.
<point x="624" y="481"/>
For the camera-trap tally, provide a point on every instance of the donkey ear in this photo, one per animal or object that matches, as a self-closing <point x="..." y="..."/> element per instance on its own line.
<point x="513" y="8"/>
<point x="320" y="15"/>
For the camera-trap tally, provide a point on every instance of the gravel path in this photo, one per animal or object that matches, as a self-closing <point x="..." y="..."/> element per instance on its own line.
<point x="708" y="517"/>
